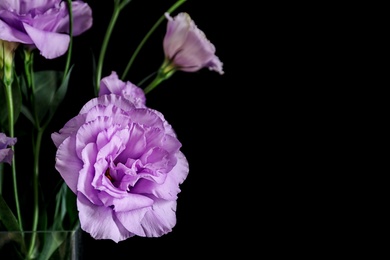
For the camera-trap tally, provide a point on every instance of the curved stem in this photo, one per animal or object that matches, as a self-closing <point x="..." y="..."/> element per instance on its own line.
<point x="145" y="79"/>
<point x="69" y="2"/>
<point x="159" y="21"/>
<point x="36" y="151"/>
<point x="153" y="84"/>
<point x="11" y="122"/>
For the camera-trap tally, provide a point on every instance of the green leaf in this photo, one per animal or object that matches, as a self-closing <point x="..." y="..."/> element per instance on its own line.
<point x="28" y="114"/>
<point x="52" y="241"/>
<point x="45" y="83"/>
<point x="59" y="95"/>
<point x="7" y="217"/>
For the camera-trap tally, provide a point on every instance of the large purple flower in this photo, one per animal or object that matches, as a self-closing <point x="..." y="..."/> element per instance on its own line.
<point x="6" y="153"/>
<point x="187" y="48"/>
<point x="43" y="24"/>
<point x="125" y="165"/>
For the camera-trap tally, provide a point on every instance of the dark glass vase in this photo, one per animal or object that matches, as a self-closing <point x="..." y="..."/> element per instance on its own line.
<point x="53" y="245"/>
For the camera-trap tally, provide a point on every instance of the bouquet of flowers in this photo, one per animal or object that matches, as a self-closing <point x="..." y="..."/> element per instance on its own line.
<point x="118" y="161"/>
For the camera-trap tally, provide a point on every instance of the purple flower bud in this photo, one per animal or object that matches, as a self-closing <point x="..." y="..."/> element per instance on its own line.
<point x="186" y="47"/>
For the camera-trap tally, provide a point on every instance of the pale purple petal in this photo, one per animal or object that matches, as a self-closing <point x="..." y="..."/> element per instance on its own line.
<point x="126" y="203"/>
<point x="69" y="128"/>
<point x="82" y="19"/>
<point x="100" y="222"/>
<point x="6" y="141"/>
<point x="176" y="34"/>
<point x="87" y="173"/>
<point x="132" y="220"/>
<point x="59" y="43"/>
<point x="161" y="219"/>
<point x="105" y="100"/>
<point x="170" y="189"/>
<point x="8" y="33"/>
<point x="68" y="163"/>
<point x="112" y="84"/>
<point x="6" y="154"/>
<point x="89" y="132"/>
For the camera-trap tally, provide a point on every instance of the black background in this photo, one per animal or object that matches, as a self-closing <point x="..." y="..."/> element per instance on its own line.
<point x="264" y="141"/>
<point x="255" y="137"/>
<point x="203" y="108"/>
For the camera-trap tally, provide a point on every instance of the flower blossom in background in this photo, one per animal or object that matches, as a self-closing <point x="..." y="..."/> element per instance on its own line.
<point x="43" y="24"/>
<point x="123" y="162"/>
<point x="6" y="154"/>
<point x="186" y="47"/>
<point x="112" y="85"/>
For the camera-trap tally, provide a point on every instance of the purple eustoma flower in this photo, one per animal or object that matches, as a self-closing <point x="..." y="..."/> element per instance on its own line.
<point x="186" y="47"/>
<point x="43" y="24"/>
<point x="125" y="166"/>
<point x="113" y="85"/>
<point x="6" y="153"/>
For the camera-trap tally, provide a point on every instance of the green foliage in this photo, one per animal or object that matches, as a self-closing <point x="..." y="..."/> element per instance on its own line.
<point x="47" y="94"/>
<point x="7" y="218"/>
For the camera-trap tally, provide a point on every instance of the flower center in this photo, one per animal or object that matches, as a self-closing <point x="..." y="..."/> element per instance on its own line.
<point x="107" y="174"/>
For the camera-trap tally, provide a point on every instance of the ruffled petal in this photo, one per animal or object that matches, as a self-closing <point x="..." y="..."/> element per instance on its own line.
<point x="113" y="85"/>
<point x="161" y="219"/>
<point x="170" y="188"/>
<point x="100" y="222"/>
<point x="132" y="220"/>
<point x="87" y="174"/>
<point x="69" y="128"/>
<point x="67" y="162"/>
<point x="126" y="203"/>
<point x="106" y="100"/>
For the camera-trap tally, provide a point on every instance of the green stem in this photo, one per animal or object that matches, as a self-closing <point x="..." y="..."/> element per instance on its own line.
<point x="36" y="151"/>
<point x="71" y="39"/>
<point x="118" y="6"/>
<point x="11" y="122"/>
<point x="153" y="84"/>
<point x="145" y="79"/>
<point x="159" y="21"/>
<point x="166" y="70"/>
